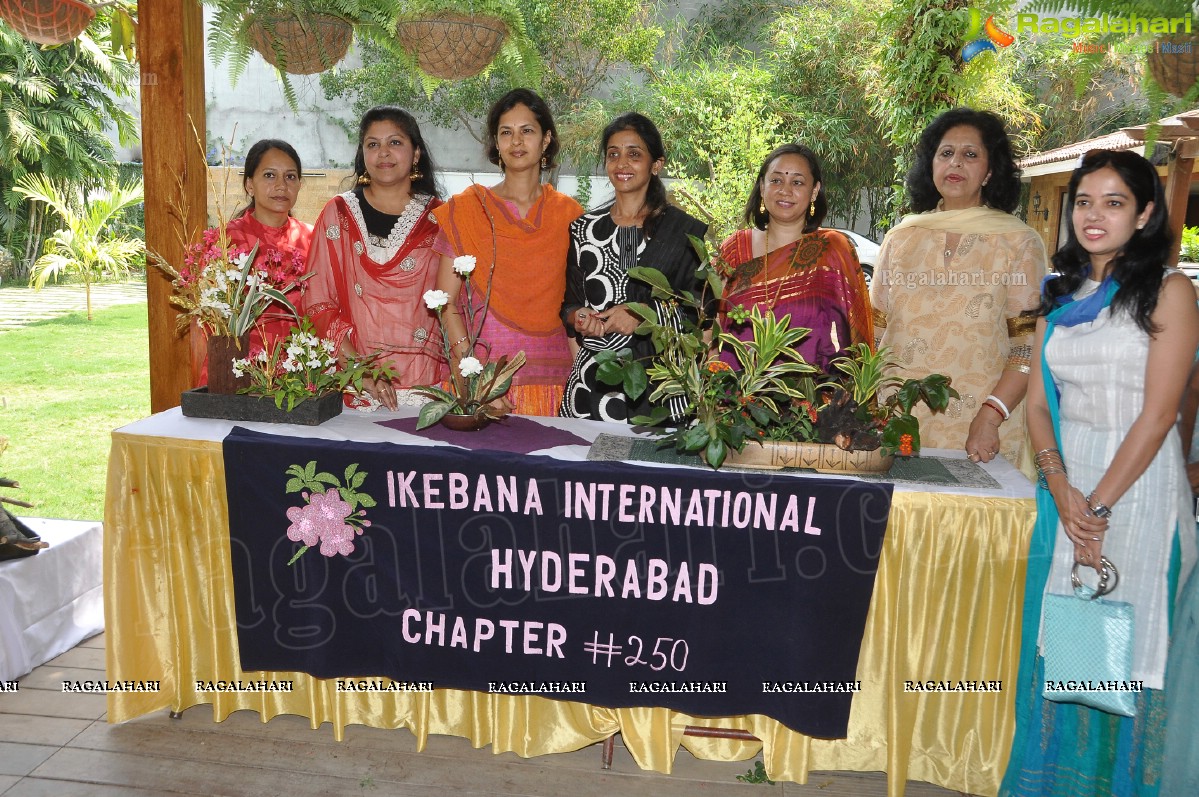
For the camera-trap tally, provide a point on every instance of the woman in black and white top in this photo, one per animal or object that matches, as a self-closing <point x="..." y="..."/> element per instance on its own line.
<point x="638" y="227"/>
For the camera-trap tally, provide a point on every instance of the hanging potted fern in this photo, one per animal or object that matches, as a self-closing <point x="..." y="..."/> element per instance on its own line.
<point x="298" y="37"/>
<point x="456" y="39"/>
<point x="47" y="21"/>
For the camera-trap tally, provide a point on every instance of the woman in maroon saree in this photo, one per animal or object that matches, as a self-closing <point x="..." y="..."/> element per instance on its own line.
<point x="786" y="263"/>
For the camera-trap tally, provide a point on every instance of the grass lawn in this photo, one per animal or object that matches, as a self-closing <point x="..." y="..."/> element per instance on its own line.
<point x="65" y="384"/>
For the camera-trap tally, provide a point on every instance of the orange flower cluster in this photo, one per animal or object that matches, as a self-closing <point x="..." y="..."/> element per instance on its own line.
<point x="905" y="445"/>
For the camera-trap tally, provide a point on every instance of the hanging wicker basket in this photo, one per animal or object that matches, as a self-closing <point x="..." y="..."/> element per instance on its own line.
<point x="301" y="46"/>
<point x="47" y="21"/>
<point x="452" y="46"/>
<point x="1174" y="62"/>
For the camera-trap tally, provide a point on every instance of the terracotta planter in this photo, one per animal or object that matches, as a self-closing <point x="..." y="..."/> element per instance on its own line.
<point x="463" y="423"/>
<point x="452" y="46"/>
<point x="222" y="351"/>
<point x="47" y="21"/>
<point x="778" y="454"/>
<point x="301" y="46"/>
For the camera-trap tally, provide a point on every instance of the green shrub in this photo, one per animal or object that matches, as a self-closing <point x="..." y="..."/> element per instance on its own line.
<point x="1189" y="251"/>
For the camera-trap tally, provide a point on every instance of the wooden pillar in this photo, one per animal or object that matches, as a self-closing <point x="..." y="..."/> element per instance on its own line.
<point x="171" y="53"/>
<point x="1178" y="191"/>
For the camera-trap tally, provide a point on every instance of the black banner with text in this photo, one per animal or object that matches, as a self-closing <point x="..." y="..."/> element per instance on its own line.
<point x="715" y="594"/>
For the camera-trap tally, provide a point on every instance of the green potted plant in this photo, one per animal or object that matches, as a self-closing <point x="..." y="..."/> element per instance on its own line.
<point x="858" y="420"/>
<point x="770" y="411"/>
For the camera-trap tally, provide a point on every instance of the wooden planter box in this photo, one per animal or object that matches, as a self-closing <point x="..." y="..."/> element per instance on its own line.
<point x="779" y="454"/>
<point x="199" y="403"/>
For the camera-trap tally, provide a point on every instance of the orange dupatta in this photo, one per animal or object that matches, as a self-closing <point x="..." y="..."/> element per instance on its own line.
<point x="530" y="253"/>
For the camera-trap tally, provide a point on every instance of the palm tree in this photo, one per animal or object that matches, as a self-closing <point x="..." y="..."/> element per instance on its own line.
<point x="86" y="245"/>
<point x="55" y="103"/>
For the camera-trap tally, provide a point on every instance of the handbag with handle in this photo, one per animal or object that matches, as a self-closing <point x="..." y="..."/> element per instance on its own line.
<point x="1087" y="646"/>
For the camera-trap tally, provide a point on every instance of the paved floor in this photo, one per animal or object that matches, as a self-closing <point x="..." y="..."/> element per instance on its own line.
<point x="57" y="744"/>
<point x="21" y="305"/>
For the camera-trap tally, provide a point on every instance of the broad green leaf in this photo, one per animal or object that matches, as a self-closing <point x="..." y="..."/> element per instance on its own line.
<point x="635" y="382"/>
<point x="431" y="413"/>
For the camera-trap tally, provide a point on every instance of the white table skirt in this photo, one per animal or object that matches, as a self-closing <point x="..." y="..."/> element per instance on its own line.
<point x="52" y="601"/>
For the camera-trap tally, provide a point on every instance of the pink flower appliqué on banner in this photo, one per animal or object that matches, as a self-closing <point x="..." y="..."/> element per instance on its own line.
<point x="331" y="515"/>
<point x="323" y="520"/>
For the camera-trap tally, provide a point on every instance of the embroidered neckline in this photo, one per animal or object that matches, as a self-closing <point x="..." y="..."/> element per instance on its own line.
<point x="381" y="250"/>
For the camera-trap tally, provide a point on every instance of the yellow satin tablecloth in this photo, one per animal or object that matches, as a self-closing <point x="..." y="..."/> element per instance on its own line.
<point x="946" y="607"/>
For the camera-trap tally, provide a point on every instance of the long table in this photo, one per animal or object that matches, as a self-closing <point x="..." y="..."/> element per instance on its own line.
<point x="944" y="618"/>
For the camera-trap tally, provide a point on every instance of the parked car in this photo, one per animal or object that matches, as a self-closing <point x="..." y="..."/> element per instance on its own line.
<point x="867" y="251"/>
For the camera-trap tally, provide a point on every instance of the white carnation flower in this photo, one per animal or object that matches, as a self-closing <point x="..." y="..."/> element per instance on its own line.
<point x="470" y="366"/>
<point x="464" y="264"/>
<point x="435" y="300"/>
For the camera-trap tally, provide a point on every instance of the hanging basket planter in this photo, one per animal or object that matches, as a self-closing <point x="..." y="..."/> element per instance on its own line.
<point x="452" y="46"/>
<point x="301" y="46"/>
<point x="47" y="21"/>
<point x="1174" y="63"/>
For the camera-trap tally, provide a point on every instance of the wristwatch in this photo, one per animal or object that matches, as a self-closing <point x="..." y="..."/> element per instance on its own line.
<point x="1098" y="508"/>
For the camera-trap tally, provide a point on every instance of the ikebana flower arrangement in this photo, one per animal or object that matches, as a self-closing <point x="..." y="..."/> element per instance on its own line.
<point x="303" y="366"/>
<point x="772" y="394"/>
<point x="225" y="288"/>
<point x="475" y="385"/>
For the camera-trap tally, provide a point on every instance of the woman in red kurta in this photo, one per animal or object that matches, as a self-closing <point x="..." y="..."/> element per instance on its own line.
<point x="272" y="182"/>
<point x="372" y="259"/>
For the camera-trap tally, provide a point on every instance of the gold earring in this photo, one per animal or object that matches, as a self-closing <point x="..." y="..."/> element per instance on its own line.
<point x="416" y="173"/>
<point x="544" y="163"/>
<point x="364" y="179"/>
<point x="812" y="207"/>
<point x="761" y="205"/>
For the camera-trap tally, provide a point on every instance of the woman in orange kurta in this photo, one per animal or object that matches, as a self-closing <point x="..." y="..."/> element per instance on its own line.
<point x="786" y="263"/>
<point x="373" y="260"/>
<point x="518" y="231"/>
